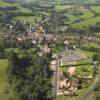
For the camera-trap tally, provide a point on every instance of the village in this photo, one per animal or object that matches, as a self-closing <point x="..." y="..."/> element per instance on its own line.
<point x="65" y="63"/>
<point x="50" y="32"/>
<point x="67" y="82"/>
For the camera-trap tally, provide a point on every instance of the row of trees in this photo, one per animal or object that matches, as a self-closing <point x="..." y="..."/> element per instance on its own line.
<point x="91" y="49"/>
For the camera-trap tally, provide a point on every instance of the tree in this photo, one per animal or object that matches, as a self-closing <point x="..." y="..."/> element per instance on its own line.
<point x="30" y="76"/>
<point x="19" y="26"/>
<point x="1" y="52"/>
<point x="96" y="57"/>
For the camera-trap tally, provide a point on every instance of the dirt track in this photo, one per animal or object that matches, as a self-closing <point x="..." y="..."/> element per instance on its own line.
<point x="71" y="70"/>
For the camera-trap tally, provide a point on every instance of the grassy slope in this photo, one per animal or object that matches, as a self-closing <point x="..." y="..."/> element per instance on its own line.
<point x="87" y="15"/>
<point x="29" y="19"/>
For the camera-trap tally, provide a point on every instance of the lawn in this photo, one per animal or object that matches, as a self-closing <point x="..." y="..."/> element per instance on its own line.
<point x="84" y="71"/>
<point x="84" y="90"/>
<point x="95" y="45"/>
<point x="86" y="53"/>
<point x="3" y="79"/>
<point x="61" y="97"/>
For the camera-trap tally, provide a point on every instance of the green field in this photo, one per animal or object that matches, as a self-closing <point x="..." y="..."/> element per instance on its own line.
<point x="84" y="71"/>
<point x="86" y="23"/>
<point x="73" y="20"/>
<point x="96" y="9"/>
<point x="61" y="97"/>
<point x="30" y="19"/>
<point x="61" y="8"/>
<point x="3" y="4"/>
<point x="86" y="14"/>
<point x="79" y="17"/>
<point x="19" y="7"/>
<point x="3" y="79"/>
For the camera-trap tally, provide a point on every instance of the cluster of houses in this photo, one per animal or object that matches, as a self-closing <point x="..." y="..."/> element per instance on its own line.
<point x="69" y="87"/>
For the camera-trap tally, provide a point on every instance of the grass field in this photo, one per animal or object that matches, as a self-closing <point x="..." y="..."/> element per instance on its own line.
<point x="84" y="71"/>
<point x="86" y="23"/>
<point x="96" y="9"/>
<point x="30" y="19"/>
<point x="79" y="17"/>
<point x="86" y="14"/>
<point x="2" y="4"/>
<point x="61" y="8"/>
<point x="19" y="7"/>
<point x="72" y="19"/>
<point x="3" y="79"/>
<point x="24" y="10"/>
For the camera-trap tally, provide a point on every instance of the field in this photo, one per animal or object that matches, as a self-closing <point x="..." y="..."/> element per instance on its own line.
<point x="3" y="4"/>
<point x="80" y="17"/>
<point x="96" y="9"/>
<point x="19" y="7"/>
<point x="30" y="19"/>
<point x="84" y="69"/>
<point x="60" y="7"/>
<point x="86" y="23"/>
<point x="3" y="79"/>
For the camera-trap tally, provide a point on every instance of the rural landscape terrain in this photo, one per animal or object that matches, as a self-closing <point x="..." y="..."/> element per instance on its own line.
<point x="49" y="49"/>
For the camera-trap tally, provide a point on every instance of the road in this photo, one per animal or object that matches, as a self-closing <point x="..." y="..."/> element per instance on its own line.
<point x="56" y="79"/>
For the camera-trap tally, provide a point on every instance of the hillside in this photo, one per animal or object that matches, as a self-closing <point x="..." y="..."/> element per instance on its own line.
<point x="79" y="17"/>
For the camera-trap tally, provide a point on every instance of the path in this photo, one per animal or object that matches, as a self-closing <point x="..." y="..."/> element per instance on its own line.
<point x="71" y="70"/>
